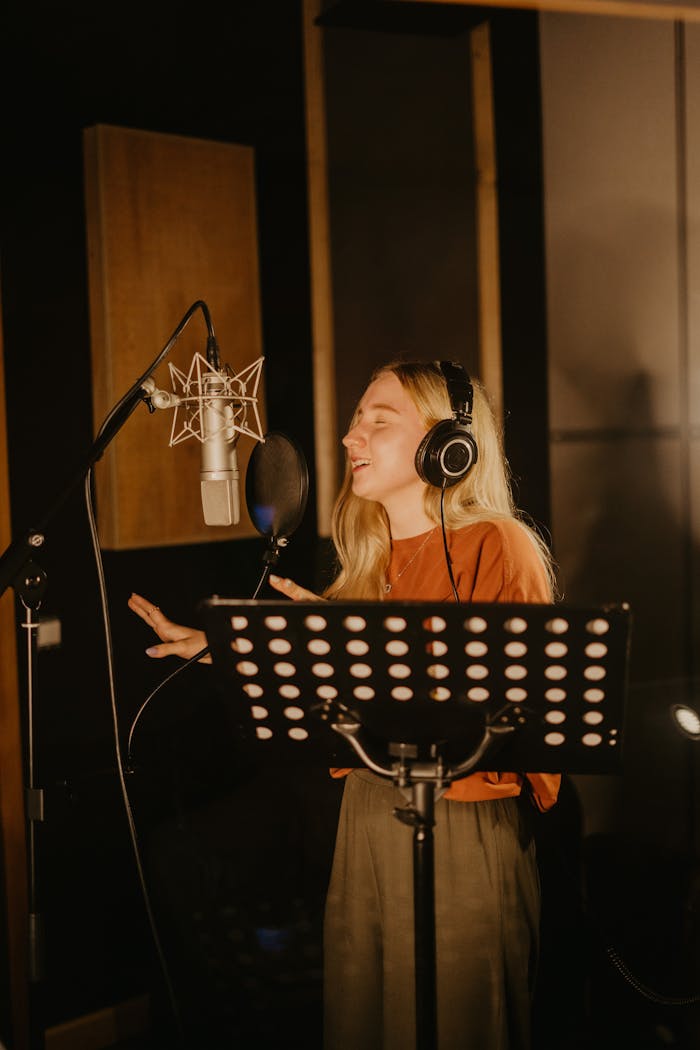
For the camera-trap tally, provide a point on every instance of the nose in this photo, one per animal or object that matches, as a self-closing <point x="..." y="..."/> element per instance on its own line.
<point x="353" y="437"/>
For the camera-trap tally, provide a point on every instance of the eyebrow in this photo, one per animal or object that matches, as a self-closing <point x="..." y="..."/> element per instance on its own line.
<point x="378" y="406"/>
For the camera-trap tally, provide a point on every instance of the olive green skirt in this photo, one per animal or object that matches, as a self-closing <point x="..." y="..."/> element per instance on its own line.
<point x="487" y="903"/>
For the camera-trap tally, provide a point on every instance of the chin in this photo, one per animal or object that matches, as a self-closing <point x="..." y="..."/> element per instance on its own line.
<point x="359" y="485"/>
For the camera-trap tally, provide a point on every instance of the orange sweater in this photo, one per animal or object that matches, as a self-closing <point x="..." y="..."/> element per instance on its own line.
<point x="493" y="561"/>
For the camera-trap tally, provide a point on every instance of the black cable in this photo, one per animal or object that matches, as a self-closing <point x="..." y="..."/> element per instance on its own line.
<point x="612" y="954"/>
<point x="448" y="559"/>
<point x="642" y="989"/>
<point x="135" y="387"/>
<point x="182" y="667"/>
<point x="124" y="401"/>
<point x="120" y="766"/>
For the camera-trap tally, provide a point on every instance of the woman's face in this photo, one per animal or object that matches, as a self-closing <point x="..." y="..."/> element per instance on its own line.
<point x="381" y="446"/>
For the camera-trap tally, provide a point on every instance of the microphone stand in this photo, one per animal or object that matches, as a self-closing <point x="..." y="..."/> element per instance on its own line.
<point x="20" y="570"/>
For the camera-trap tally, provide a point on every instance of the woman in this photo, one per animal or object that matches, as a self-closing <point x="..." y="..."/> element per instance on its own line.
<point x="389" y="544"/>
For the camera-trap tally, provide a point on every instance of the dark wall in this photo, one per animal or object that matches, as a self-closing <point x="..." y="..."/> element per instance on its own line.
<point x="236" y="857"/>
<point x="402" y="184"/>
<point x="225" y="72"/>
<point x="517" y="114"/>
<point x="402" y="201"/>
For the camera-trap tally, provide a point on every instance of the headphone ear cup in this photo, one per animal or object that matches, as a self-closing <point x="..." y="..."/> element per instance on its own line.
<point x="446" y="454"/>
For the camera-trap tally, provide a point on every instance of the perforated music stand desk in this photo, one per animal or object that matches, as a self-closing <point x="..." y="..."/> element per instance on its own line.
<point x="423" y="693"/>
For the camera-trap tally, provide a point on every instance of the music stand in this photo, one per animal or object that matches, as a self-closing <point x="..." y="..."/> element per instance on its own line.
<point x="424" y="693"/>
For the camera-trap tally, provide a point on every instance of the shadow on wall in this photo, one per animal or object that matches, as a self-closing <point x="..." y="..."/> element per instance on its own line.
<point x="630" y="539"/>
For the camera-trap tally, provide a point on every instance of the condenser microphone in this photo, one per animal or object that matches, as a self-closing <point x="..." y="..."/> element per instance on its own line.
<point x="215" y="406"/>
<point x="219" y="476"/>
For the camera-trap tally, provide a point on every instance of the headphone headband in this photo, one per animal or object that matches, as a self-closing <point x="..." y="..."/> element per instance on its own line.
<point x="459" y="389"/>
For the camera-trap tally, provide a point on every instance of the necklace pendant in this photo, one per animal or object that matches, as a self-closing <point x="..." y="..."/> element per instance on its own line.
<point x="387" y="588"/>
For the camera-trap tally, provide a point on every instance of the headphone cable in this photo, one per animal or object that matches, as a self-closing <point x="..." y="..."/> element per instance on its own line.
<point x="448" y="559"/>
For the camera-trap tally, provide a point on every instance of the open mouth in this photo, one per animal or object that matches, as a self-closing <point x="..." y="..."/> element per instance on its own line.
<point x="358" y="464"/>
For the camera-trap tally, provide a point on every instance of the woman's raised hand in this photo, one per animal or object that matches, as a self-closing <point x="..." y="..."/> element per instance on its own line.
<point x="186" y="642"/>
<point x="293" y="590"/>
<point x="178" y="640"/>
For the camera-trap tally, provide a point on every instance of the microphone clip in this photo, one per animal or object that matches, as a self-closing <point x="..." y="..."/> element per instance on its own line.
<point x="274" y="549"/>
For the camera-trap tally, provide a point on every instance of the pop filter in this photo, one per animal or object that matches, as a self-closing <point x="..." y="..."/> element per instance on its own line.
<point x="276" y="486"/>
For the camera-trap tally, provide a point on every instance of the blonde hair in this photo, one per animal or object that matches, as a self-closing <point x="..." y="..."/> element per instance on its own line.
<point x="360" y="527"/>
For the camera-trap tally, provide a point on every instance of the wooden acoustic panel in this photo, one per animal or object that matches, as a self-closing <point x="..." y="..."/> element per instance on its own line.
<point x="170" y="220"/>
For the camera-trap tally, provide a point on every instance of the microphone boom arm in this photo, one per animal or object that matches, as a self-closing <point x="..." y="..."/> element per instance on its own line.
<point x="15" y="557"/>
<point x="21" y="551"/>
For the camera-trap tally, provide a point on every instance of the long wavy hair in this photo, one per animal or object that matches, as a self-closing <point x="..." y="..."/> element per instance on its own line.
<point x="360" y="527"/>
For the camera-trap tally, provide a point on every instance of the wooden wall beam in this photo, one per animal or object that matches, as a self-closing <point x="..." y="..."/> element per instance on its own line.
<point x="490" y="349"/>
<point x="689" y="11"/>
<point x="13" y="851"/>
<point x="325" y="405"/>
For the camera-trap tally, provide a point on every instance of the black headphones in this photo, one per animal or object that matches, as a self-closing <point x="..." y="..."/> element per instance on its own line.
<point x="448" y="451"/>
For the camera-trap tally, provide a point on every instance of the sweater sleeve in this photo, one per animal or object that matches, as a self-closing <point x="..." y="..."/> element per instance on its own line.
<point x="508" y="567"/>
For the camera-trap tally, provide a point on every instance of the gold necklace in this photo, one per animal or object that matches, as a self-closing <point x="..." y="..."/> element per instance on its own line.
<point x="388" y="586"/>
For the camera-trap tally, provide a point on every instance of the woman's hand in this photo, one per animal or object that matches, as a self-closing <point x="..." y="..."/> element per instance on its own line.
<point x="293" y="590"/>
<point x="179" y="641"/>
